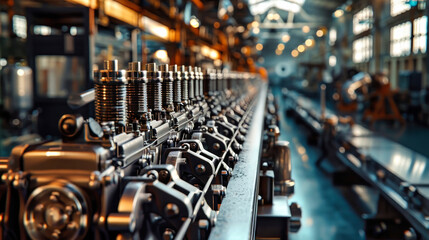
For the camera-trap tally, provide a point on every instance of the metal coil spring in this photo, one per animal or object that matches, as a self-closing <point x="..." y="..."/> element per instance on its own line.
<point x="197" y="88"/>
<point x="137" y="100"/>
<point x="154" y="90"/>
<point x="185" y="94"/>
<point x="177" y="89"/>
<point x="201" y="87"/>
<point x="213" y="87"/>
<point x="219" y="84"/>
<point x="191" y="89"/>
<point x="110" y="103"/>
<point x="167" y="93"/>
<point x="206" y="85"/>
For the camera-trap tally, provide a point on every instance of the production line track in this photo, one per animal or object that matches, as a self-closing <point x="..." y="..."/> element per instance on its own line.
<point x="400" y="174"/>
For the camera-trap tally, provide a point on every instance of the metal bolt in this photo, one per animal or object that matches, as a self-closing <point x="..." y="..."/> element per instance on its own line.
<point x="193" y="146"/>
<point x="203" y="224"/>
<point x="54" y="196"/>
<point x="216" y="146"/>
<point x="71" y="226"/>
<point x="171" y="210"/>
<point x="69" y="210"/>
<point x="163" y="174"/>
<point x="168" y="234"/>
<point x="55" y="235"/>
<point x="152" y="174"/>
<point x="200" y="169"/>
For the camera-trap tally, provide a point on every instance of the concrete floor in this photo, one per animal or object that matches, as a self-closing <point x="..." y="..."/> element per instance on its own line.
<point x="326" y="213"/>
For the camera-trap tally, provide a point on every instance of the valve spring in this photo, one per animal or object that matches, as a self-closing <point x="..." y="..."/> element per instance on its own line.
<point x="201" y="85"/>
<point x="137" y="100"/>
<point x="167" y="93"/>
<point x="219" y="84"/>
<point x="177" y="89"/>
<point x="197" y="87"/>
<point x="206" y="85"/>
<point x="191" y="88"/>
<point x="213" y="84"/>
<point x="185" y="94"/>
<point x="110" y="103"/>
<point x="154" y="90"/>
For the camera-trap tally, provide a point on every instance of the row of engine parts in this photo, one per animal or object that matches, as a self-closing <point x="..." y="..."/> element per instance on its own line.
<point x="158" y="161"/>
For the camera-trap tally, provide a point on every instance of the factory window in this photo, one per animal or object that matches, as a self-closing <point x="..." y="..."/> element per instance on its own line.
<point x="400" y="40"/>
<point x="19" y="26"/>
<point x="362" y="49"/>
<point x="420" y="34"/>
<point x="362" y="20"/>
<point x="398" y="6"/>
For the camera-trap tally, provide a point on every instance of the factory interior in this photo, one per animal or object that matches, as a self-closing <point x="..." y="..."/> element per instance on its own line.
<point x="214" y="119"/>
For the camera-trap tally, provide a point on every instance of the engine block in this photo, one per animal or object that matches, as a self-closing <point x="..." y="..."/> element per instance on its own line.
<point x="157" y="161"/>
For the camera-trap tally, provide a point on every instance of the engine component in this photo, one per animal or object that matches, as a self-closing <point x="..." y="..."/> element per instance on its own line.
<point x="154" y="164"/>
<point x="110" y="95"/>
<point x="167" y="87"/>
<point x="177" y="87"/>
<point x="136" y="92"/>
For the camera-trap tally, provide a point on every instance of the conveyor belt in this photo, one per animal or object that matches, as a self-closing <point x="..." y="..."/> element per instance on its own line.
<point x="400" y="174"/>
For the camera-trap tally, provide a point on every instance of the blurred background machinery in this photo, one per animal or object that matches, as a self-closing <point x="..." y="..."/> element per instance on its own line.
<point x="346" y="89"/>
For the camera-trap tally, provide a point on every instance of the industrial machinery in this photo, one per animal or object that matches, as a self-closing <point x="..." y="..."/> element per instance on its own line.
<point x="358" y="156"/>
<point x="172" y="153"/>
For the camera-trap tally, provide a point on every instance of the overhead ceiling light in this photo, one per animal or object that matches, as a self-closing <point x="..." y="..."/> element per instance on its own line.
<point x="295" y="53"/>
<point x="306" y="29"/>
<point x="281" y="46"/>
<point x="258" y="7"/>
<point x="301" y="48"/>
<point x="279" y="52"/>
<point x="240" y="29"/>
<point x="161" y="55"/>
<point x="155" y="28"/>
<point x="309" y="42"/>
<point x="244" y="50"/>
<point x="286" y="38"/>
<point x="194" y="22"/>
<point x="259" y="46"/>
<point x="255" y="24"/>
<point x="256" y="30"/>
<point x="319" y="33"/>
<point x="332" y="61"/>
<point x="214" y="54"/>
<point x="338" y="13"/>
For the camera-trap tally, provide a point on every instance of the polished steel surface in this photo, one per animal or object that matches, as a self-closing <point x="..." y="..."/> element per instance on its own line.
<point x="237" y="215"/>
<point x="409" y="165"/>
<point x="327" y="215"/>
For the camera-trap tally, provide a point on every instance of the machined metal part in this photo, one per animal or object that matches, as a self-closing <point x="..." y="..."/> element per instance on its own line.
<point x="137" y="93"/>
<point x="167" y="87"/>
<point x="156" y="163"/>
<point x="191" y="83"/>
<point x="185" y="87"/>
<point x="110" y="94"/>
<point x="154" y="88"/>
<point x="56" y="211"/>
<point x="177" y="87"/>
